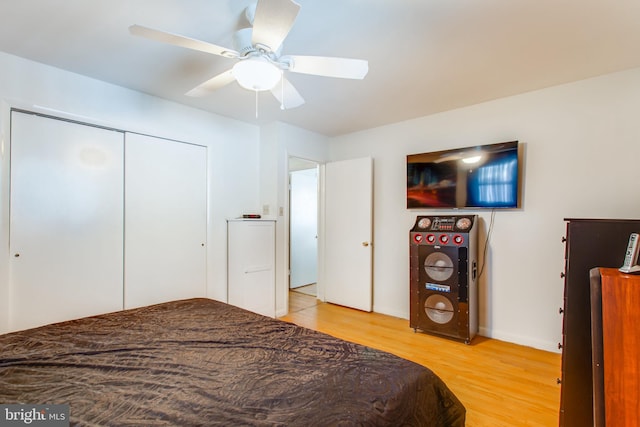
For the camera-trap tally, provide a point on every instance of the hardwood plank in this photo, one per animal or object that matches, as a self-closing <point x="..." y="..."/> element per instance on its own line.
<point x="500" y="384"/>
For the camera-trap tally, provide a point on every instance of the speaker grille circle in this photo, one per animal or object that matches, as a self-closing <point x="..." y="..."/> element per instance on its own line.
<point x="438" y="266"/>
<point x="439" y="309"/>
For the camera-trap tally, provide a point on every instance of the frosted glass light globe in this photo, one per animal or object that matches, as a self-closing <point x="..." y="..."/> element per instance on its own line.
<point x="256" y="74"/>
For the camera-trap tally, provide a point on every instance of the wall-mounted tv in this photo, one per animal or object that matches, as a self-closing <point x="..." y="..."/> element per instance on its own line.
<point x="484" y="176"/>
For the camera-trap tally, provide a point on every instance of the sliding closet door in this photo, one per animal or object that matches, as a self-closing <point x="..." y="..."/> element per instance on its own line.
<point x="165" y="220"/>
<point x="66" y="232"/>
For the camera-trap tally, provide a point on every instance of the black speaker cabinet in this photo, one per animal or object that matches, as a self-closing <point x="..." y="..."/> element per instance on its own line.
<point x="443" y="288"/>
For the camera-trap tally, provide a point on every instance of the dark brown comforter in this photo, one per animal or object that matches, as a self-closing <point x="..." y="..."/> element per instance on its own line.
<point x="202" y="362"/>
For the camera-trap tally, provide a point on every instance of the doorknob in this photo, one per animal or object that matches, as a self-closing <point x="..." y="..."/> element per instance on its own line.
<point x="365" y="244"/>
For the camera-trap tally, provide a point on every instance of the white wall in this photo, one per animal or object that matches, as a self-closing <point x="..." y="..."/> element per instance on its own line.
<point x="582" y="145"/>
<point x="233" y="147"/>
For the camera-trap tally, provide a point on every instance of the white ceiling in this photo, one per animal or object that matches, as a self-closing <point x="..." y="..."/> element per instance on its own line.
<point x="425" y="56"/>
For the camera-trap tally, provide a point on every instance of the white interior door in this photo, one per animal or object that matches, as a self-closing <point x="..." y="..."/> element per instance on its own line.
<point x="348" y="233"/>
<point x="66" y="232"/>
<point x="303" y="227"/>
<point x="165" y="220"/>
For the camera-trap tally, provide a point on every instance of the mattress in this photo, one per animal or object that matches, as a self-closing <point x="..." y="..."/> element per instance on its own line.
<point x="202" y="362"/>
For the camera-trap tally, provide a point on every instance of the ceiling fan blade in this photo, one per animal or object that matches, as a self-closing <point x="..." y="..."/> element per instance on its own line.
<point x="287" y="95"/>
<point x="273" y="21"/>
<point x="212" y="84"/>
<point x="344" y="68"/>
<point x="177" y="40"/>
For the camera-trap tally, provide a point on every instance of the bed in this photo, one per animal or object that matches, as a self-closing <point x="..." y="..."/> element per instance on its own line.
<point x="203" y="362"/>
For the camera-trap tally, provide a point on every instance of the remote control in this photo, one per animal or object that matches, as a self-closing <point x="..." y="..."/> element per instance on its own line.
<point x="631" y="257"/>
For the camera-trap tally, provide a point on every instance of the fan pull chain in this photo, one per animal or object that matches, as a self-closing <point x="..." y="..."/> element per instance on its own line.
<point x="282" y="90"/>
<point x="256" y="103"/>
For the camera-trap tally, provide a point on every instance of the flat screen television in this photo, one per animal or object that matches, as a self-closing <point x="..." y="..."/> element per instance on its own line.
<point x="484" y="176"/>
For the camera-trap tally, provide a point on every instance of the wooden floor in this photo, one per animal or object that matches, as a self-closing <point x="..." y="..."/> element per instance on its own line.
<point x="500" y="384"/>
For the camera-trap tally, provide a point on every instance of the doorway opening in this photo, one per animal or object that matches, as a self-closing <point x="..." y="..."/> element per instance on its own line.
<point x="303" y="232"/>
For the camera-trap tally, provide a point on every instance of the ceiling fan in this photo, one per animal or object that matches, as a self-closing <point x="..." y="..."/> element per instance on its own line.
<point x="260" y="65"/>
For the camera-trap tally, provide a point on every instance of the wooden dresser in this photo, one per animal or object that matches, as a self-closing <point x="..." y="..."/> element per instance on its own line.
<point x="589" y="243"/>
<point x="615" y="298"/>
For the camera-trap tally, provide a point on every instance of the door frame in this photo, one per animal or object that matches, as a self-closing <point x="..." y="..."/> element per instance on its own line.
<point x="285" y="284"/>
<point x="284" y="262"/>
<point x="301" y="166"/>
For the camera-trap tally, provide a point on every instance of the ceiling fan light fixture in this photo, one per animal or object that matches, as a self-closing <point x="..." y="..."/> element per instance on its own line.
<point x="256" y="74"/>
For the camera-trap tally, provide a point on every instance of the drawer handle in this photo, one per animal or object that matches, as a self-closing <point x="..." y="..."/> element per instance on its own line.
<point x="257" y="269"/>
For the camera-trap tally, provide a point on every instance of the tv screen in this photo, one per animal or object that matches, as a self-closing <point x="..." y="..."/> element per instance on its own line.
<point x="484" y="176"/>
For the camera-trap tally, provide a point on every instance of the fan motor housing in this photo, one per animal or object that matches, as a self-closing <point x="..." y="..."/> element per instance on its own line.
<point x="242" y="41"/>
